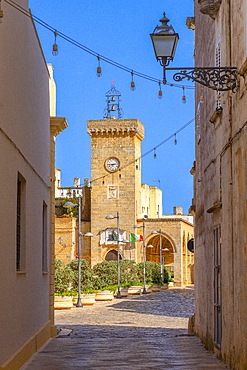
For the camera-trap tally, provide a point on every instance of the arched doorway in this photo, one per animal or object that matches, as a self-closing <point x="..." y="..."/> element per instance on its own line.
<point x="112" y="255"/>
<point x="153" y="251"/>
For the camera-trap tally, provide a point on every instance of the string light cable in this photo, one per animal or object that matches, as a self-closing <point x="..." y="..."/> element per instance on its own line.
<point x="153" y="150"/>
<point x="100" y="57"/>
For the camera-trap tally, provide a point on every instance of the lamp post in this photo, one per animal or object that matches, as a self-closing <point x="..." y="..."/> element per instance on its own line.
<point x="161" y="262"/>
<point x="165" y="39"/>
<point x="144" y="255"/>
<point x="111" y="217"/>
<point x="71" y="205"/>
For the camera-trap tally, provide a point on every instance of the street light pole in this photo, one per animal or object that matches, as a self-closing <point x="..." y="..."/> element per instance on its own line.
<point x="144" y="255"/>
<point x="118" y="259"/>
<point x="161" y="259"/>
<point x="71" y="205"/>
<point x="110" y="217"/>
<point x="79" y="303"/>
<point x="144" y="259"/>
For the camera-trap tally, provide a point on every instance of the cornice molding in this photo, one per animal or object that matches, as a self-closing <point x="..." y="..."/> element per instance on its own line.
<point x="116" y="127"/>
<point x="57" y="125"/>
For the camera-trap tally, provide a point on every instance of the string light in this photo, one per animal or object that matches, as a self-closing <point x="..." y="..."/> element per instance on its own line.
<point x="160" y="91"/>
<point x="183" y="97"/>
<point x="175" y="139"/>
<point x="83" y="47"/>
<point x="155" y="153"/>
<point x="99" y="70"/>
<point x="132" y="84"/>
<point x="1" y="13"/>
<point x="55" y="46"/>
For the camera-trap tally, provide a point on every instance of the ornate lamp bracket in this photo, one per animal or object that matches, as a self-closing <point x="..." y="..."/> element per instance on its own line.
<point x="216" y="78"/>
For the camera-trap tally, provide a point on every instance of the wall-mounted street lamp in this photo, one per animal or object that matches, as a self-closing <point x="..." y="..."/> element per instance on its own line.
<point x="111" y="217"/>
<point x="144" y="255"/>
<point x="165" y="40"/>
<point x="88" y="234"/>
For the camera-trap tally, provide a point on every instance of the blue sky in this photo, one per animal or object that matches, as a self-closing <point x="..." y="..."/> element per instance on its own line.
<point x="119" y="30"/>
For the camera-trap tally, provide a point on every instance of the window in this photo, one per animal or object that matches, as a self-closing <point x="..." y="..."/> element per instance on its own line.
<point x="44" y="238"/>
<point x="20" y="225"/>
<point x="217" y="287"/>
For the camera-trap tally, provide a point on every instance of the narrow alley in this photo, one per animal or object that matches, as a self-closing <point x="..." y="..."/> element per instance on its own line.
<point x="138" y="332"/>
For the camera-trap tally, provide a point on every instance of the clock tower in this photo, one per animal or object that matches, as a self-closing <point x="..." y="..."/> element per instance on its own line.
<point x="115" y="181"/>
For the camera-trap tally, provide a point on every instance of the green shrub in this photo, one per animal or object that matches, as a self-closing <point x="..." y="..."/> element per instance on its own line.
<point x="129" y="273"/>
<point x="104" y="274"/>
<point x="62" y="277"/>
<point x="152" y="272"/>
<point x="166" y="276"/>
<point x="86" y="275"/>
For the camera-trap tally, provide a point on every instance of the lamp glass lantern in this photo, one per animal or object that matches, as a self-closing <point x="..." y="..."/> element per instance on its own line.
<point x="164" y="39"/>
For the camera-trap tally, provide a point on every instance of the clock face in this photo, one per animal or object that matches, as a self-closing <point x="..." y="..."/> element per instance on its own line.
<point x="112" y="164"/>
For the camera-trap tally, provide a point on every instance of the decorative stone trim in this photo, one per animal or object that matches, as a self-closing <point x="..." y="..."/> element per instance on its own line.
<point x="216" y="206"/>
<point x="57" y="125"/>
<point x="210" y="7"/>
<point x="116" y="127"/>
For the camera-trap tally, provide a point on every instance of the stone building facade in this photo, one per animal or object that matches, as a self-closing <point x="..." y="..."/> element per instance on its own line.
<point x="220" y="184"/>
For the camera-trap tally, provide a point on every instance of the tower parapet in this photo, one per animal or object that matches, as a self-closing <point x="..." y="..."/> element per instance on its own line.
<point x="111" y="127"/>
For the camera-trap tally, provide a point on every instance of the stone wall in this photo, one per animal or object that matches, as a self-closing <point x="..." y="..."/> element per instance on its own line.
<point x="220" y="188"/>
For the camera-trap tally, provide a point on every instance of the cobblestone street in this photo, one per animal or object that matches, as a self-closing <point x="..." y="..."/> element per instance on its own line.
<point x="138" y="332"/>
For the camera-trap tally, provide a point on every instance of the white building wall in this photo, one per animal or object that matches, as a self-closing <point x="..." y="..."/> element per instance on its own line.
<point x="24" y="149"/>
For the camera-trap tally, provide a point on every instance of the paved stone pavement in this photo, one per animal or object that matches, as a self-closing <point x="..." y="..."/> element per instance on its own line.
<point x="138" y="332"/>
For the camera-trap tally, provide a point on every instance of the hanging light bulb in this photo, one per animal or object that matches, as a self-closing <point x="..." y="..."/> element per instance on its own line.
<point x="1" y="13"/>
<point x="155" y="153"/>
<point x="132" y="84"/>
<point x="103" y="181"/>
<point x="160" y="91"/>
<point x="55" y="46"/>
<point x="175" y="139"/>
<point x="99" y="70"/>
<point x="183" y="97"/>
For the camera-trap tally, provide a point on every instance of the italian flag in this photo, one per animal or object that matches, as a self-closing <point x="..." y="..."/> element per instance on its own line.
<point x="135" y="237"/>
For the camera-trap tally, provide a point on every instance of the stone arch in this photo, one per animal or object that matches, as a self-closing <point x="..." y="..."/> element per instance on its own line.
<point x="153" y="254"/>
<point x="111" y="255"/>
